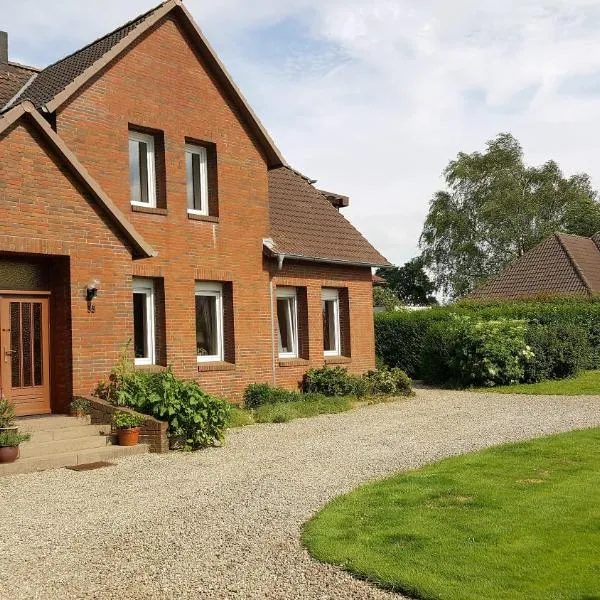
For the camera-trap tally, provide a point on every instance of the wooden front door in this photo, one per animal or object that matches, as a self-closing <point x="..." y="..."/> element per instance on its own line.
<point x="24" y="353"/>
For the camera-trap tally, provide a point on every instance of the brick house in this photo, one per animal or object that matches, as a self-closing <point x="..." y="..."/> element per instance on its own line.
<point x="143" y="201"/>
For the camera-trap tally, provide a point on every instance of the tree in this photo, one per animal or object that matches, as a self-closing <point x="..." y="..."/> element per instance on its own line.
<point x="495" y="209"/>
<point x="410" y="283"/>
<point x="385" y="298"/>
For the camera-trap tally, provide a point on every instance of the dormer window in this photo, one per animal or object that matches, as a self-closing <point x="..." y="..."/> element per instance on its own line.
<point x="196" y="164"/>
<point x="142" y="169"/>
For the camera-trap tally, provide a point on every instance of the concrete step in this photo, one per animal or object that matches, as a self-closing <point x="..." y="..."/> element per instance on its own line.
<point x="50" y="422"/>
<point x="45" y="449"/>
<point x="68" y="459"/>
<point x="68" y="433"/>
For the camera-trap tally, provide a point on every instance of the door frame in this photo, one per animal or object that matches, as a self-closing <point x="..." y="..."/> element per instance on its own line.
<point x="5" y="373"/>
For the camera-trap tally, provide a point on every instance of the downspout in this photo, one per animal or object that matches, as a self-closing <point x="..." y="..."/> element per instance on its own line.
<point x="268" y="243"/>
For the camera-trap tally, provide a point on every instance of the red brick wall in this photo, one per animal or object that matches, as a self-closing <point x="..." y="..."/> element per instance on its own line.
<point x="45" y="213"/>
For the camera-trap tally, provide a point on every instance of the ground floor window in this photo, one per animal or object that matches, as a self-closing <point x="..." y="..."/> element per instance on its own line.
<point x="287" y="318"/>
<point x="331" y="322"/>
<point x="143" y="321"/>
<point x="209" y="321"/>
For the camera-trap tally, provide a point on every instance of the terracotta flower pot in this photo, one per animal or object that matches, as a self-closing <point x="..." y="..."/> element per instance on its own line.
<point x="129" y="437"/>
<point x="9" y="454"/>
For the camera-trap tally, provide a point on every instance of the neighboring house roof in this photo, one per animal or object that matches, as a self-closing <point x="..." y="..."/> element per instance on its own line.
<point x="12" y="79"/>
<point x="140" y="247"/>
<point x="379" y="281"/>
<point x="305" y="225"/>
<point x="57" y="83"/>
<point x="561" y="265"/>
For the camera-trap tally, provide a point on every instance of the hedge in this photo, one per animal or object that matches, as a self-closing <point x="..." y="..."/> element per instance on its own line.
<point x="400" y="336"/>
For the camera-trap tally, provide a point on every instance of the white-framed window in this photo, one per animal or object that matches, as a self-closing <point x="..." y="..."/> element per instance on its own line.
<point x="287" y="319"/>
<point x="196" y="167"/>
<point x="143" y="322"/>
<point x="332" y="344"/>
<point x="142" y="171"/>
<point x="209" y="322"/>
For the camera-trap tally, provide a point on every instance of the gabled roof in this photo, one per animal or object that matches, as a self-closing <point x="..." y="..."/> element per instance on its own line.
<point x="561" y="265"/>
<point x="57" y="83"/>
<point x="12" y="79"/>
<point x="140" y="247"/>
<point x="306" y="226"/>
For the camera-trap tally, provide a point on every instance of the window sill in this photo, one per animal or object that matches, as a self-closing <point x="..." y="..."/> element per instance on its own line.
<point x="215" y="366"/>
<point x="337" y="360"/>
<point x="293" y="362"/>
<point x="206" y="218"/>
<point x="151" y="368"/>
<point x="149" y="210"/>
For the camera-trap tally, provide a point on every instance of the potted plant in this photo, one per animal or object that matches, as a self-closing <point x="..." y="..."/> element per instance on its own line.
<point x="7" y="415"/>
<point x="80" y="407"/>
<point x="128" y="427"/>
<point x="9" y="445"/>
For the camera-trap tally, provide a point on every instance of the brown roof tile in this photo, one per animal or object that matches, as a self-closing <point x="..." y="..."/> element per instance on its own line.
<point x="12" y="78"/>
<point x="55" y="78"/>
<point x="560" y="265"/>
<point x="305" y="225"/>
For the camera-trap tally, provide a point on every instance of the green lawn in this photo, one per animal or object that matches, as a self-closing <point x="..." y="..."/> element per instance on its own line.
<point x="586" y="383"/>
<point x="520" y="521"/>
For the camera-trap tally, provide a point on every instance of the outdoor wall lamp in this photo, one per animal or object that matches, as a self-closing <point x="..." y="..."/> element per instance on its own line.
<point x="90" y="294"/>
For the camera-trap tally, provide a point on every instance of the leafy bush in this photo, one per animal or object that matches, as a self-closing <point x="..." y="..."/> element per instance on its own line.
<point x="387" y="382"/>
<point x="10" y="439"/>
<point x="7" y="413"/>
<point x="81" y="406"/>
<point x="333" y="381"/>
<point x="470" y="351"/>
<point x="258" y="394"/>
<point x="126" y="420"/>
<point x="560" y="351"/>
<point x="403" y="339"/>
<point x="196" y="419"/>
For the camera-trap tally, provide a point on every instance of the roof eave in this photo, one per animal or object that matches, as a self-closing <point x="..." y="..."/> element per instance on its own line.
<point x="334" y="261"/>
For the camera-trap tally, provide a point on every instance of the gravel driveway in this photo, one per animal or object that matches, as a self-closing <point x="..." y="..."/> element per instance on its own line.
<point x="224" y="523"/>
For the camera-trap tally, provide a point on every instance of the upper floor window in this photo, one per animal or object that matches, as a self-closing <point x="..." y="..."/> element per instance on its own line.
<point x="287" y="318"/>
<point x="196" y="165"/>
<point x="142" y="169"/>
<point x="332" y="338"/>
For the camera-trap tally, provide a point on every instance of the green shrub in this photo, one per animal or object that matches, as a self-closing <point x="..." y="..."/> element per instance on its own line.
<point x="7" y="412"/>
<point x="333" y="381"/>
<point x="126" y="420"/>
<point x="387" y="382"/>
<point x="80" y="406"/>
<point x="11" y="439"/>
<point x="472" y="352"/>
<point x="560" y="351"/>
<point x="196" y="419"/>
<point x="257" y="394"/>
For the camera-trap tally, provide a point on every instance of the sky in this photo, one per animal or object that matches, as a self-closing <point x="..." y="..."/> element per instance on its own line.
<point x="373" y="98"/>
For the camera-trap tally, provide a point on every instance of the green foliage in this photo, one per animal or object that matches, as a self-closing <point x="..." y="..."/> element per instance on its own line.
<point x="7" y="413"/>
<point x="310" y="406"/>
<point x="483" y="526"/>
<point x="10" y="439"/>
<point x="385" y="298"/>
<point x="495" y="209"/>
<point x="585" y="383"/>
<point x="81" y="406"/>
<point x="126" y="420"/>
<point x="400" y="337"/>
<point x="560" y="351"/>
<point x="410" y="283"/>
<point x="196" y="419"/>
<point x="333" y="381"/>
<point x="257" y="394"/>
<point x="467" y="351"/>
<point x="387" y="382"/>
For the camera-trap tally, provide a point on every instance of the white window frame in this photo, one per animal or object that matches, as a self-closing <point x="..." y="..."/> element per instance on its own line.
<point x="148" y="139"/>
<point x="333" y="294"/>
<point x="290" y="293"/>
<point x="203" y="154"/>
<point x="215" y="290"/>
<point x="146" y="287"/>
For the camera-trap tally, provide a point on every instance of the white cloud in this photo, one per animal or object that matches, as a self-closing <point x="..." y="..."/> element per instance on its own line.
<point x="382" y="93"/>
